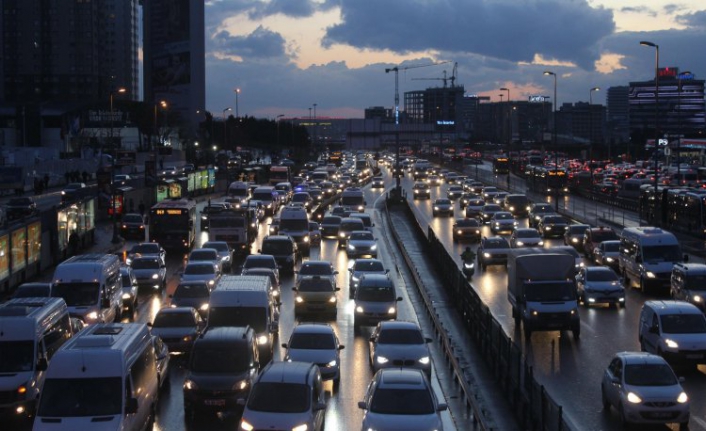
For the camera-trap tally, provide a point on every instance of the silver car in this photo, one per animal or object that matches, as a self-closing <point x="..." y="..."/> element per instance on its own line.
<point x="361" y="243"/>
<point x="201" y="271"/>
<point x="644" y="389"/>
<point x="129" y="289"/>
<point x="224" y="252"/>
<point x="317" y="343"/>
<point x="362" y="267"/>
<point x="607" y="253"/>
<point x="502" y="221"/>
<point x="399" y="344"/>
<point x="178" y="327"/>
<point x="146" y="249"/>
<point x="599" y="285"/>
<point x="401" y="399"/>
<point x="442" y="206"/>
<point x="322" y="268"/>
<point x="150" y="272"/>
<point x="526" y="237"/>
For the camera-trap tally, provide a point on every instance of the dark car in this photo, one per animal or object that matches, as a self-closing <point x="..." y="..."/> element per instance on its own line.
<point x="192" y="294"/>
<point x="517" y="204"/>
<point x="596" y="235"/>
<point x="552" y="225"/>
<point x="32" y="290"/>
<point x="492" y="251"/>
<point x="537" y="211"/>
<point x="487" y="212"/>
<point x="20" y="207"/>
<point x="73" y="191"/>
<point x="133" y="226"/>
<point x="284" y="250"/>
<point x="574" y="235"/>
<point x="466" y="229"/>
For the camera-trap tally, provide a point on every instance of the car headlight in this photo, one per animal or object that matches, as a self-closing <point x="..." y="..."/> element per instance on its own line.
<point x="541" y="243"/>
<point x="189" y="385"/>
<point x="682" y="398"/>
<point x="341" y="234"/>
<point x="306" y="238"/>
<point x="203" y="307"/>
<point x="609" y="259"/>
<point x="186" y="338"/>
<point x="332" y="299"/>
<point x="436" y="208"/>
<point x="204" y="218"/>
<point x="547" y="228"/>
<point x="127" y="296"/>
<point x="155" y="276"/>
<point x="650" y="274"/>
<point x="391" y="310"/>
<point x="697" y="298"/>
<point x="424" y="360"/>
<point x="302" y="427"/>
<point x="512" y="208"/>
<point x="671" y="343"/>
<point x="575" y="240"/>
<point x="382" y="360"/>
<point x="359" y="309"/>
<point x="211" y="282"/>
<point x="486" y="255"/>
<point x="262" y="340"/>
<point x="332" y="363"/>
<point x="93" y="315"/>
<point x="520" y="243"/>
<point x="299" y="299"/>
<point x="351" y="247"/>
<point x="416" y="191"/>
<point x="633" y="398"/>
<point x="374" y="247"/>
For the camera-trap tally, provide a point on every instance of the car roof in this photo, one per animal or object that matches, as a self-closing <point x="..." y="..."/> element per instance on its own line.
<point x="314" y="328"/>
<point x="287" y="372"/>
<point x="317" y="263"/>
<point x="398" y="324"/>
<point x="673" y="307"/>
<point x="176" y="310"/>
<point x="633" y="358"/>
<point x="402" y="377"/>
<point x="598" y="269"/>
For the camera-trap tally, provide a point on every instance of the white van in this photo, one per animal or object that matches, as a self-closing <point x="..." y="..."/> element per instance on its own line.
<point x="31" y="331"/>
<point x="239" y="189"/>
<point x="647" y="255"/>
<point x="91" y="285"/>
<point x="105" y="376"/>
<point x="242" y="300"/>
<point x="675" y="330"/>
<point x="353" y="199"/>
<point x="294" y="221"/>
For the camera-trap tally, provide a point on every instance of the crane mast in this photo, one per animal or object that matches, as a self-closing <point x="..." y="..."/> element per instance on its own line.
<point x="397" y="69"/>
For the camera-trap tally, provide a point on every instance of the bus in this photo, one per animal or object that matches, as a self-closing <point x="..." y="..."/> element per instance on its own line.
<point x="547" y="179"/>
<point x="335" y="157"/>
<point x="501" y="165"/>
<point x="280" y="174"/>
<point x="172" y="223"/>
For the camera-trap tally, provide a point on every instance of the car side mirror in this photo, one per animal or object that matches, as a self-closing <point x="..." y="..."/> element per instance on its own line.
<point x="428" y="340"/>
<point x="615" y="380"/>
<point x="361" y="405"/>
<point x="149" y="324"/>
<point x="319" y="406"/>
<point x="336" y="272"/>
<point x="387" y="271"/>
<point x="131" y="406"/>
<point x="284" y="345"/>
<point x="399" y="298"/>
<point x="294" y="289"/>
<point x="42" y="364"/>
<point x="686" y="258"/>
<point x="442" y="407"/>
<point x="341" y="347"/>
<point x="654" y="330"/>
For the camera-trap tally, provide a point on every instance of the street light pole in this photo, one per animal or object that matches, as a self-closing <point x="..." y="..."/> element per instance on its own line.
<point x="554" y="144"/>
<point x="509" y="137"/>
<point x="116" y="238"/>
<point x="656" y="143"/>
<point x="237" y="112"/>
<point x="225" y="129"/>
<point x="590" y="131"/>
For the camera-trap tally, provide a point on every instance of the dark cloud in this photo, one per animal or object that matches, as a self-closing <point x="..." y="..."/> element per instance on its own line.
<point x="639" y="9"/>
<point x="672" y="8"/>
<point x="291" y="8"/>
<point x="508" y="30"/>
<point x="261" y="43"/>
<point x="695" y="20"/>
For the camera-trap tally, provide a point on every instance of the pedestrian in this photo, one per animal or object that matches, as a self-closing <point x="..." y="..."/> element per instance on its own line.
<point x="142" y="208"/>
<point x="73" y="243"/>
<point x="46" y="181"/>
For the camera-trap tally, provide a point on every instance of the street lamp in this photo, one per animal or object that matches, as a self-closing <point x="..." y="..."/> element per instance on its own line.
<point x="656" y="47"/>
<point x="509" y="137"/>
<point x="116" y="238"/>
<point x="590" y="131"/>
<point x="237" y="112"/>
<point x="554" y="144"/>
<point x="225" y="129"/>
<point x="164" y="105"/>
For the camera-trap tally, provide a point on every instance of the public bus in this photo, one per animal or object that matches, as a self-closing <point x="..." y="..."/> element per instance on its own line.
<point x="335" y="157"/>
<point x="547" y="179"/>
<point x="501" y="165"/>
<point x="280" y="174"/>
<point x="173" y="223"/>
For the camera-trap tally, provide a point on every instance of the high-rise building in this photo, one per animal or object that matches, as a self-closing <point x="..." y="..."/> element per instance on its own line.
<point x="617" y="114"/>
<point x="174" y="57"/>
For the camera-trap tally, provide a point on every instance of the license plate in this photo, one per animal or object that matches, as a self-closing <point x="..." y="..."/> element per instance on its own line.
<point x="660" y="415"/>
<point x="215" y="402"/>
<point x="694" y="356"/>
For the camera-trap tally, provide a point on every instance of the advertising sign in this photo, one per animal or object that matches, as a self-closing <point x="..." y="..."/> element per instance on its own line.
<point x="4" y="256"/>
<point x="34" y="241"/>
<point x="19" y="256"/>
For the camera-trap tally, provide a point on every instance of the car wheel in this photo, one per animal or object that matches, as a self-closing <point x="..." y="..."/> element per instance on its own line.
<point x="684" y="426"/>
<point x="623" y="420"/>
<point x="604" y="400"/>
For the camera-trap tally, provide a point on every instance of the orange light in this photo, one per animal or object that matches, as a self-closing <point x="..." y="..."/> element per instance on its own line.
<point x="22" y="390"/>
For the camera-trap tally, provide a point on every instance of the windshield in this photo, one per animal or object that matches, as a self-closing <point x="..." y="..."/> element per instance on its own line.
<point x="649" y="375"/>
<point x="443" y="202"/>
<point x="541" y="291"/>
<point x="16" y="356"/>
<point x="516" y="200"/>
<point x="603" y="235"/>
<point x="608" y="275"/>
<point x="145" y="264"/>
<point x="203" y="255"/>
<point x="400" y="336"/>
<point x="255" y="262"/>
<point x="191" y="291"/>
<point x="554" y="219"/>
<point x="218" y="359"/>
<point x="316" y="269"/>
<point x="376" y="293"/>
<point x="76" y="294"/>
<point x="255" y="317"/>
<point x="277" y="247"/>
<point x="145" y="249"/>
<point x="81" y="397"/>
<point x="401" y="402"/>
<point x="526" y="234"/>
<point x="542" y="209"/>
<point x="496" y="244"/>
<point x="503" y="216"/>
<point x="226" y="221"/>
<point x="683" y="324"/>
<point x="331" y="221"/>
<point x="129" y="218"/>
<point x="312" y="341"/>
<point x="199" y="269"/>
<point x="468" y="223"/>
<point x="368" y="267"/>
<point x="352" y="200"/>
<point x="315" y="285"/>
<point x="351" y="226"/>
<point x="577" y="230"/>
<point x="301" y="197"/>
<point x="276" y="397"/>
<point x="174" y="320"/>
<point x="491" y="208"/>
<point x="262" y="196"/>
<point x="363" y="236"/>
<point x="294" y="224"/>
<point x="661" y="253"/>
<point x="220" y="246"/>
<point x="611" y="246"/>
<point x="694" y="282"/>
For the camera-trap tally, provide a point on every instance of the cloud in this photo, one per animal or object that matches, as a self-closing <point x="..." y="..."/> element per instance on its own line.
<point x="639" y="10"/>
<point x="695" y="20"/>
<point x="290" y="8"/>
<point x="504" y="29"/>
<point x="261" y="43"/>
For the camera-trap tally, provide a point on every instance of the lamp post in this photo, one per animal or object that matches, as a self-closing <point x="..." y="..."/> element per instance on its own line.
<point x="509" y="136"/>
<point x="164" y="105"/>
<point x="116" y="238"/>
<point x="590" y="131"/>
<point x="679" y="116"/>
<point x="656" y="143"/>
<point x="554" y="144"/>
<point x="237" y="111"/>
<point x="277" y="119"/>
<point x="225" y="129"/>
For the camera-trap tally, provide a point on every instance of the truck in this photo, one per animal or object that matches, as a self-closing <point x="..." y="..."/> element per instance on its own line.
<point x="542" y="292"/>
<point x="233" y="226"/>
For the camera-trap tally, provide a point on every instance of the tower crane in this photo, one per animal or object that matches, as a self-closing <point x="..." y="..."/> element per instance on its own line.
<point x="433" y="79"/>
<point x="397" y="69"/>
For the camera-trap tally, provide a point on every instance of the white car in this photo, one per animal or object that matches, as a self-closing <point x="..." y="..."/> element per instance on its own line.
<point x="644" y="390"/>
<point x="502" y="221"/>
<point x="599" y="284"/>
<point x="526" y="237"/>
<point x="401" y="399"/>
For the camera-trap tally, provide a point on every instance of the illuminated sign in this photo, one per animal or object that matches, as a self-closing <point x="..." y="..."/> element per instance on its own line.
<point x="538" y="99"/>
<point x="445" y="122"/>
<point x="168" y="212"/>
<point x="668" y="72"/>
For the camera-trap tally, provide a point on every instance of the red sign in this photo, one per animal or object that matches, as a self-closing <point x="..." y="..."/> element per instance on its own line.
<point x="668" y="72"/>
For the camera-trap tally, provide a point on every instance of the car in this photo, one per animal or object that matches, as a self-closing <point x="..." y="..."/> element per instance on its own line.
<point x="443" y="206"/>
<point x="273" y="227"/>
<point x="526" y="237"/>
<point x="315" y="295"/>
<point x="330" y="225"/>
<point x="361" y="243"/>
<point x="643" y="388"/>
<point x="195" y="294"/>
<point x="319" y="344"/>
<point x="375" y="300"/>
<point x="162" y="359"/>
<point x="499" y="199"/>
<point x="454" y="192"/>
<point x="674" y="330"/>
<point x="284" y="250"/>
<point x="517" y="204"/>
<point x="434" y="180"/>
<point x="599" y="285"/>
<point x="403" y="399"/>
<point x="73" y="191"/>
<point x="487" y="212"/>
<point x="596" y="235"/>
<point x="304" y="199"/>
<point x="316" y="194"/>
<point x="574" y="235"/>
<point x="32" y="290"/>
<point x="261" y="261"/>
<point x="130" y="288"/>
<point x="466" y="229"/>
<point x="488" y="193"/>
<point x="377" y="183"/>
<point x="19" y="207"/>
<point x="272" y="274"/>
<point x="421" y="190"/>
<point x="212" y="208"/>
<point x="201" y="271"/>
<point x="257" y="206"/>
<point x="552" y="226"/>
<point x="607" y="253"/>
<point x="322" y="268"/>
<point x="286" y="396"/>
<point x="474" y="207"/>
<point x="206" y="255"/>
<point x="399" y="344"/>
<point x="492" y="251"/>
<point x="224" y="252"/>
<point x="150" y="272"/>
<point x="537" y="211"/>
<point x="146" y="249"/>
<point x="314" y="233"/>
<point x="348" y="225"/>
<point x="502" y="221"/>
<point x="465" y="198"/>
<point x="178" y="327"/>
<point x="360" y="267"/>
<point x="132" y="226"/>
<point x="121" y="179"/>
<point x="340" y="212"/>
<point x="688" y="283"/>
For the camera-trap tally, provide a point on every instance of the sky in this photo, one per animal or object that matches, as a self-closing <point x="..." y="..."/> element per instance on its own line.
<point x="286" y="56"/>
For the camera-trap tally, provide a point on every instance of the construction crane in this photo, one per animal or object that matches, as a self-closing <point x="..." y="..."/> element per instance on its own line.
<point x="397" y="69"/>
<point x="433" y="79"/>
